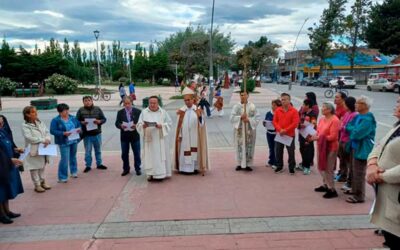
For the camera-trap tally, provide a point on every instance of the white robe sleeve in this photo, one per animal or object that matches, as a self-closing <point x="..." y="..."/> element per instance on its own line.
<point x="139" y="125"/>
<point x="254" y="118"/>
<point x="235" y="116"/>
<point x="166" y="124"/>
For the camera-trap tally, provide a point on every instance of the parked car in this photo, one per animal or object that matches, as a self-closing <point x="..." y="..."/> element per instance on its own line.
<point x="347" y="80"/>
<point x="266" y="79"/>
<point x="284" y="80"/>
<point x="307" y="81"/>
<point x="323" y="82"/>
<point x="381" y="84"/>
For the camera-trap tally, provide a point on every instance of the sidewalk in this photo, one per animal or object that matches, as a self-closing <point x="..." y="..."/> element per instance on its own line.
<point x="224" y="209"/>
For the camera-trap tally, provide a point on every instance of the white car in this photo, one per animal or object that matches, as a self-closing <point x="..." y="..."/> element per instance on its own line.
<point x="381" y="84"/>
<point x="348" y="82"/>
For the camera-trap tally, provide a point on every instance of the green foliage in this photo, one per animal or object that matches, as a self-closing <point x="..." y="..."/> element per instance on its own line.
<point x="250" y="85"/>
<point x="61" y="84"/>
<point x="383" y="31"/>
<point x="7" y="87"/>
<point x="321" y="35"/>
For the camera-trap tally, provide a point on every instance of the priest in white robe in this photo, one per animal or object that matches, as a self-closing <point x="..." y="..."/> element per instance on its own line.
<point x="154" y="126"/>
<point x="244" y="129"/>
<point x="191" y="151"/>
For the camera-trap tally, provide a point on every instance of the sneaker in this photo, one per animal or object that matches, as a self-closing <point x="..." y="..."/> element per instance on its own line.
<point x="346" y="187"/>
<point x="306" y="171"/>
<point x="87" y="169"/>
<point x="278" y="170"/>
<point x="299" y="167"/>
<point x="342" y="178"/>
<point x="62" y="181"/>
<point x="274" y="167"/>
<point x="102" y="167"/>
<point x="138" y="172"/>
<point x="330" y="194"/>
<point x="321" y="189"/>
<point x="291" y="171"/>
<point x="74" y="176"/>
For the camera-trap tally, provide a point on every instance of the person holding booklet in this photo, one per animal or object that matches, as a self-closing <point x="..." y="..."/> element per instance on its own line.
<point x="286" y="119"/>
<point x="66" y="129"/>
<point x="35" y="133"/>
<point x="308" y="121"/>
<point x="91" y="118"/>
<point x="271" y="132"/>
<point x="126" y="121"/>
<point x="155" y="127"/>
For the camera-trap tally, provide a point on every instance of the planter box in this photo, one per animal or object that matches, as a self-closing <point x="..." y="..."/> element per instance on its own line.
<point x="42" y="104"/>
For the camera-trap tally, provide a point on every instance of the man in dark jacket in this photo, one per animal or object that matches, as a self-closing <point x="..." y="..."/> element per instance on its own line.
<point x="91" y="117"/>
<point x="126" y="121"/>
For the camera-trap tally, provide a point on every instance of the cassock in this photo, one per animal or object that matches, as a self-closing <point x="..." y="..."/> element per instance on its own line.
<point x="191" y="150"/>
<point x="244" y="143"/>
<point x="156" y="147"/>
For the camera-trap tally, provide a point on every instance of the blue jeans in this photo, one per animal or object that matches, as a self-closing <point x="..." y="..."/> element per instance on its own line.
<point x="271" y="146"/>
<point x="135" y="145"/>
<point x="95" y="142"/>
<point x="68" y="157"/>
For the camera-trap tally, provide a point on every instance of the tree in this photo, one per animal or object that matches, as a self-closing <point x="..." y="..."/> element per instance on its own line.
<point x="321" y="35"/>
<point x="353" y="30"/>
<point x="383" y="30"/>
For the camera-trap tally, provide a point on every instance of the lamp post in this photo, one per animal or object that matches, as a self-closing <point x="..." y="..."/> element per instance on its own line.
<point x="210" y="79"/>
<point x="96" y="35"/>
<point x="294" y="47"/>
<point x="176" y="75"/>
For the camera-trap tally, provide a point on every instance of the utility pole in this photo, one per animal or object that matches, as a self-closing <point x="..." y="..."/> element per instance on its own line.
<point x="297" y="53"/>
<point x="210" y="79"/>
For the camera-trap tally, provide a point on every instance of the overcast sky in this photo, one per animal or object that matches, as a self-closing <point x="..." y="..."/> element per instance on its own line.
<point x="26" y="22"/>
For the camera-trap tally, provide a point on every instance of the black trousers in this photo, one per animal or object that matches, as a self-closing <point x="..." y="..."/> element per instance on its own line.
<point x="279" y="147"/>
<point x="391" y="240"/>
<point x="306" y="151"/>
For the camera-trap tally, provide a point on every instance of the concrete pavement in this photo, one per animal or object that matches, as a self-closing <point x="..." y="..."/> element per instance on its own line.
<point x="224" y="209"/>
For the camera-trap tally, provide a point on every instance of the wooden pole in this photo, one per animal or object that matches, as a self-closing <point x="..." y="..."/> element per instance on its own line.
<point x="244" y="124"/>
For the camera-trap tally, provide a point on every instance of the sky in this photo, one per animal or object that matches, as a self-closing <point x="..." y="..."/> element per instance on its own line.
<point x="30" y="22"/>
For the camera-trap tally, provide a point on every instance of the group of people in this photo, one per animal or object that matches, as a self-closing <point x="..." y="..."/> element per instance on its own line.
<point x="345" y="130"/>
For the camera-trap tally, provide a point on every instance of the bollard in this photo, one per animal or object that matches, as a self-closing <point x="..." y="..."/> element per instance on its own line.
<point x="290" y="86"/>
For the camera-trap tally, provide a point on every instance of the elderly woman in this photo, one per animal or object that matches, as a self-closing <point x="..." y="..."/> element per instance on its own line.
<point x="383" y="172"/>
<point x="362" y="133"/>
<point x="10" y="180"/>
<point x="35" y="132"/>
<point x="327" y="137"/>
<point x="63" y="127"/>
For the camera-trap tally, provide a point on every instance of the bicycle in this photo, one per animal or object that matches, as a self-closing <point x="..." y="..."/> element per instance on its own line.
<point x="329" y="92"/>
<point x="100" y="93"/>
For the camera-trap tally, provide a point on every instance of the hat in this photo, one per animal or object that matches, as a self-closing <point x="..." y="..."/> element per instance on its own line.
<point x="187" y="91"/>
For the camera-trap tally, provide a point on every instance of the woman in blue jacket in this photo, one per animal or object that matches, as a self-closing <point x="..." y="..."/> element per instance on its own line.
<point x="66" y="129"/>
<point x="362" y="134"/>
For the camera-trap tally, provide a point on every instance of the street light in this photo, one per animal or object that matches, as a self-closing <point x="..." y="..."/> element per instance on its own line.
<point x="210" y="79"/>
<point x="96" y="35"/>
<point x="297" y="53"/>
<point x="176" y="75"/>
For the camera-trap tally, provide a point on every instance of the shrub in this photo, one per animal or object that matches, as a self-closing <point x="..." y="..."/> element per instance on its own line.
<point x="61" y="84"/>
<point x="250" y="86"/>
<point x="7" y="87"/>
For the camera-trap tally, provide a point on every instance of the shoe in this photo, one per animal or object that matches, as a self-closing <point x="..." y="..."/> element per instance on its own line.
<point x="74" y="176"/>
<point x="12" y="215"/>
<point x="299" y="167"/>
<point x="62" y="181"/>
<point x="102" y="167"/>
<point x="274" y="167"/>
<point x="138" y="173"/>
<point x="278" y="170"/>
<point x="87" y="169"/>
<point x="196" y="171"/>
<point x="342" y="178"/>
<point x="249" y="169"/>
<point x="5" y="219"/>
<point x="39" y="189"/>
<point x="238" y="168"/>
<point x="306" y="171"/>
<point x="353" y="200"/>
<point x="346" y="187"/>
<point x="45" y="186"/>
<point x="291" y="171"/>
<point x="330" y="194"/>
<point x="321" y="189"/>
<point x="124" y="173"/>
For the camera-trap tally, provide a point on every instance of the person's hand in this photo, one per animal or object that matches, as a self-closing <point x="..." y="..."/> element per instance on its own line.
<point x="78" y="130"/>
<point x="123" y="126"/>
<point x="159" y="126"/>
<point x="301" y="126"/>
<point x="19" y="150"/>
<point x="16" y="162"/>
<point x="67" y="133"/>
<point x="46" y="142"/>
<point x="199" y="112"/>
<point x="97" y="122"/>
<point x="145" y="125"/>
<point x="243" y="116"/>
<point x="133" y="126"/>
<point x="314" y="138"/>
<point x="374" y="174"/>
<point x="282" y="132"/>
<point x="84" y="123"/>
